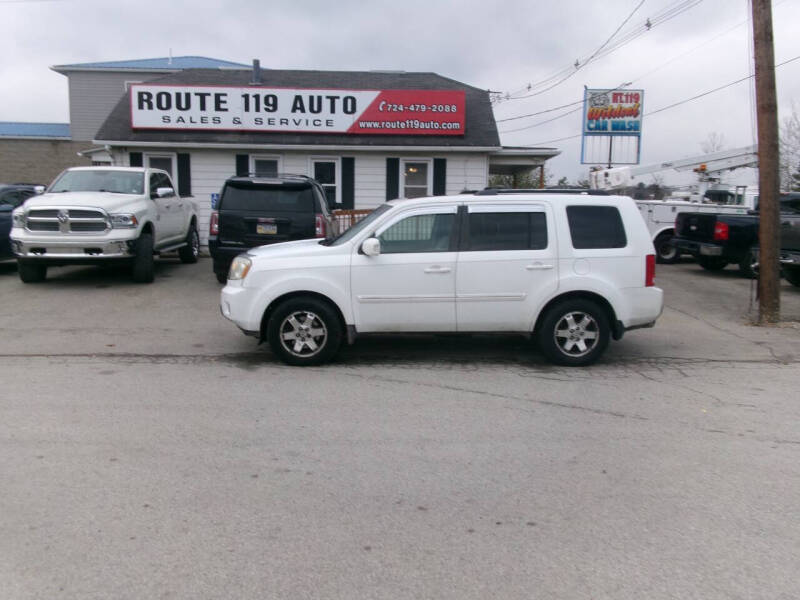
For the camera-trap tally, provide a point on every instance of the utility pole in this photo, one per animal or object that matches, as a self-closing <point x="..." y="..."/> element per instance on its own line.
<point x="769" y="301"/>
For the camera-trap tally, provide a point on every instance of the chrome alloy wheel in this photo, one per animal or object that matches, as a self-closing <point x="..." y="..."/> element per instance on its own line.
<point x="194" y="243"/>
<point x="576" y="334"/>
<point x="303" y="334"/>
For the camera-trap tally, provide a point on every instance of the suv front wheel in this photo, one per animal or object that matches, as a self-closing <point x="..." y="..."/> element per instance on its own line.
<point x="574" y="333"/>
<point x="304" y="331"/>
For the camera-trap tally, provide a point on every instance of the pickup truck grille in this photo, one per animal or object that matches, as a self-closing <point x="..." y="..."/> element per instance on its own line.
<point x="68" y="220"/>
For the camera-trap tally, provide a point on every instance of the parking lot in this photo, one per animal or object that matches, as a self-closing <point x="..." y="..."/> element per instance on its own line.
<point x="149" y="449"/>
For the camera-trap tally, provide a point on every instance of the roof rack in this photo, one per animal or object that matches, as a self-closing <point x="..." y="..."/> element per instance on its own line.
<point x="490" y="191"/>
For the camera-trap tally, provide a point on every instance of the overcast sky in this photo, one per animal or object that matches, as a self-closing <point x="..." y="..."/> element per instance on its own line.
<point x="691" y="47"/>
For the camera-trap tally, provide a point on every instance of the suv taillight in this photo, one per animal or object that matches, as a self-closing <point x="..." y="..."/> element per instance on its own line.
<point x="720" y="232"/>
<point x="213" y="226"/>
<point x="320" y="226"/>
<point x="650" y="270"/>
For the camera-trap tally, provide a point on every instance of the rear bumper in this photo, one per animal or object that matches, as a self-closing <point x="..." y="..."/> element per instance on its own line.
<point x="642" y="306"/>
<point x="698" y="248"/>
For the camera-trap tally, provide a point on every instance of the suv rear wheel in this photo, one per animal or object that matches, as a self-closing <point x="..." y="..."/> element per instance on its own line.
<point x="574" y="333"/>
<point x="304" y="331"/>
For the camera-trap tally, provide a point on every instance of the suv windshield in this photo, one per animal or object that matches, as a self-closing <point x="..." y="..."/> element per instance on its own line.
<point x="117" y="182"/>
<point x="248" y="196"/>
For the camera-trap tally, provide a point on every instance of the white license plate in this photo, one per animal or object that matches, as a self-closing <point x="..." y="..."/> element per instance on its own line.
<point x="266" y="228"/>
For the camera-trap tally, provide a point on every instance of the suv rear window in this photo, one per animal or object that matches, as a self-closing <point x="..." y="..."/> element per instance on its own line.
<point x="507" y="231"/>
<point x="596" y="227"/>
<point x="243" y="196"/>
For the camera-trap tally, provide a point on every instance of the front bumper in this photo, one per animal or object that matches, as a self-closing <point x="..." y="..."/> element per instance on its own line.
<point x="113" y="245"/>
<point x="238" y="305"/>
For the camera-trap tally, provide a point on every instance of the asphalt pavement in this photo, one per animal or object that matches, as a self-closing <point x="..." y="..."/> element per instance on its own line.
<point x="149" y="449"/>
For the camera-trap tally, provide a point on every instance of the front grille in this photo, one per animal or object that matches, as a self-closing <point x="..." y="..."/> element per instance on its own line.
<point x="71" y="220"/>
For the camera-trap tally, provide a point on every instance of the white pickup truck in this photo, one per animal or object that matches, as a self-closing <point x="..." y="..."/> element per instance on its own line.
<point x="93" y="215"/>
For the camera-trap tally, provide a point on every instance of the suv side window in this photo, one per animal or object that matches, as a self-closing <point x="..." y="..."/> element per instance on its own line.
<point x="593" y="227"/>
<point x="507" y="231"/>
<point x="419" y="233"/>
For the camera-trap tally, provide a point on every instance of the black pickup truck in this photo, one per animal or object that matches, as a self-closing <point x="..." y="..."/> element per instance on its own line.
<point x="717" y="240"/>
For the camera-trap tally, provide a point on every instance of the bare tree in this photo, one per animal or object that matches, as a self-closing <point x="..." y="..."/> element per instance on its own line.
<point x="789" y="149"/>
<point x="713" y="143"/>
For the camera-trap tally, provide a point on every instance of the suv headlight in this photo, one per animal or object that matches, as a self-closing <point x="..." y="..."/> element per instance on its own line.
<point x="124" y="221"/>
<point x="18" y="219"/>
<point x="240" y="267"/>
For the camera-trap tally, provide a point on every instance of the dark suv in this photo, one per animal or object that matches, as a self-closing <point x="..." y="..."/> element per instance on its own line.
<point x="254" y="211"/>
<point x="11" y="196"/>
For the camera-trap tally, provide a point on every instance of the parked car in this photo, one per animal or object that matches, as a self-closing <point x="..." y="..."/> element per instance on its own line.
<point x="717" y="240"/>
<point x="571" y="270"/>
<point x="12" y="196"/>
<point x="98" y="215"/>
<point x="254" y="211"/>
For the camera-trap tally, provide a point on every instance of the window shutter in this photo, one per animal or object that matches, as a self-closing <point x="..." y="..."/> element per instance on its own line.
<point x="242" y="165"/>
<point x="348" y="182"/>
<point x="439" y="176"/>
<point x="184" y="175"/>
<point x="135" y="159"/>
<point x="392" y="178"/>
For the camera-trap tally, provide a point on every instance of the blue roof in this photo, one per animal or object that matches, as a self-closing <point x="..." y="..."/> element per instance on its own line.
<point x="34" y="130"/>
<point x="175" y="63"/>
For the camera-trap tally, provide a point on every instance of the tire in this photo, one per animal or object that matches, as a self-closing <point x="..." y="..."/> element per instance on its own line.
<point x="304" y="331"/>
<point x="748" y="266"/>
<point x="574" y="333"/>
<point x="222" y="277"/>
<point x="712" y="263"/>
<point x="31" y="272"/>
<point x="666" y="253"/>
<point x="792" y="275"/>
<point x="189" y="253"/>
<point x="143" y="260"/>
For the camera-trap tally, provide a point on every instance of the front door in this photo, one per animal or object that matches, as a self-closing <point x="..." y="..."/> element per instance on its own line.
<point x="410" y="285"/>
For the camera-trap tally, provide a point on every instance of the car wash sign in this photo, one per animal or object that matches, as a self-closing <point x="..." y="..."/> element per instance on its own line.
<point x="361" y="112"/>
<point x="612" y="112"/>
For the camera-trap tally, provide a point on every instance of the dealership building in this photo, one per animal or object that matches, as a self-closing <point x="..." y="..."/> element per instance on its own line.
<point x="368" y="136"/>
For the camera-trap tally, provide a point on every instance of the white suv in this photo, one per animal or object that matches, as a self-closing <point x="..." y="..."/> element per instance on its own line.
<point x="572" y="270"/>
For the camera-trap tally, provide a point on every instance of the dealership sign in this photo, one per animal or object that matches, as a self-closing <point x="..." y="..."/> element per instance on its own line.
<point x="362" y="112"/>
<point x="612" y="112"/>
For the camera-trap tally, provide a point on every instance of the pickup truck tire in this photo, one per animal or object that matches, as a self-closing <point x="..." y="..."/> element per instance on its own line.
<point x="143" y="260"/>
<point x="31" y="272"/>
<point x="712" y="263"/>
<point x="574" y="333"/>
<point x="666" y="253"/>
<point x="748" y="266"/>
<point x="792" y="275"/>
<point x="304" y="331"/>
<point x="189" y="253"/>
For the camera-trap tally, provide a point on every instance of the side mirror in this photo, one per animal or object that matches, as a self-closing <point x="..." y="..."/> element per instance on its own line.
<point x="371" y="246"/>
<point x="164" y="192"/>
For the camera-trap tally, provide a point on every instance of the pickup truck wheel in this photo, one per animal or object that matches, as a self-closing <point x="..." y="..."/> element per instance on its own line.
<point x="574" y="333"/>
<point x="189" y="253"/>
<point x="31" y="272"/>
<point x="666" y="253"/>
<point x="304" y="332"/>
<point x="712" y="263"/>
<point x="792" y="275"/>
<point x="143" y="260"/>
<point x="748" y="266"/>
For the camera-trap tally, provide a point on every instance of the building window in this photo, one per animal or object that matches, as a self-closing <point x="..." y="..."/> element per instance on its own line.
<point x="327" y="171"/>
<point x="165" y="162"/>
<point x="265" y="166"/>
<point x="416" y="176"/>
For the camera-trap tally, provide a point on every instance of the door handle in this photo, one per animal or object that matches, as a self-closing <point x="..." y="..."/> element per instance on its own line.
<point x="167" y="205"/>
<point x="538" y="267"/>
<point x="437" y="269"/>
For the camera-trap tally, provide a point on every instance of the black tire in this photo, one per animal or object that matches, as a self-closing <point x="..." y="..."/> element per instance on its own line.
<point x="304" y="331"/>
<point x="31" y="272"/>
<point x="712" y="263"/>
<point x="143" y="269"/>
<point x="191" y="251"/>
<point x="748" y="266"/>
<point x="792" y="275"/>
<point x="574" y="333"/>
<point x="221" y="277"/>
<point x="666" y="253"/>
